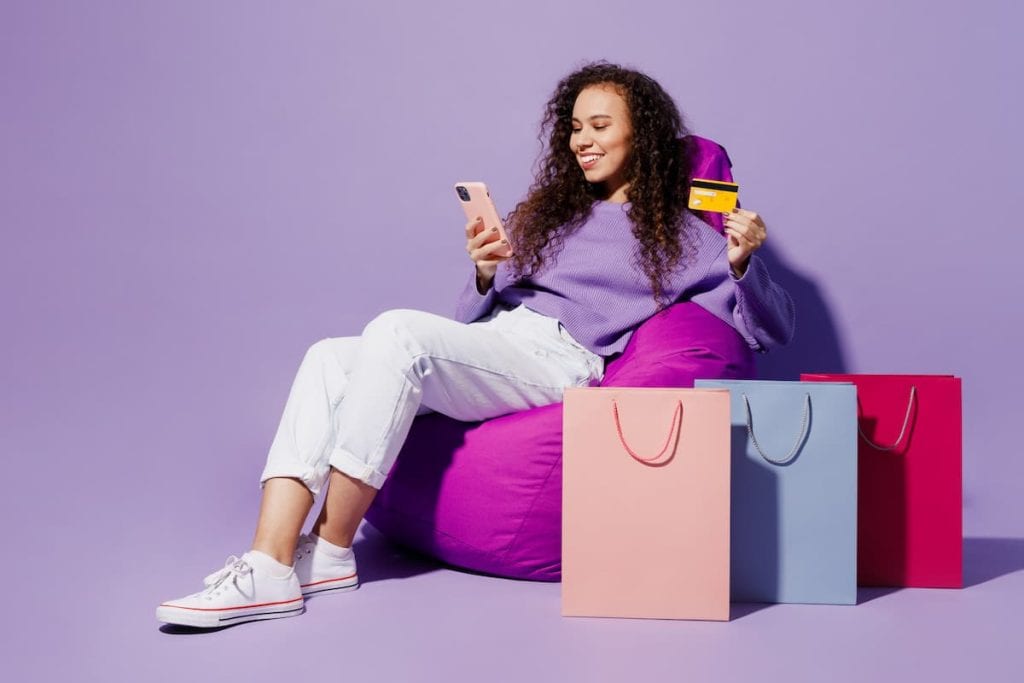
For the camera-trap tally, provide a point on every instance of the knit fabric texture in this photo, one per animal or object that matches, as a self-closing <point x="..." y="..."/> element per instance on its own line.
<point x="595" y="286"/>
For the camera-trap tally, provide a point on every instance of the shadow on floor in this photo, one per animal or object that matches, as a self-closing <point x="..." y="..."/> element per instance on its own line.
<point x="986" y="559"/>
<point x="738" y="610"/>
<point x="175" y="629"/>
<point x="381" y="560"/>
<point x="869" y="593"/>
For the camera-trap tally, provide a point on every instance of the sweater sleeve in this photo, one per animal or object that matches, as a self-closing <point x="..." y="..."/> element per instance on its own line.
<point x="764" y="312"/>
<point x="472" y="305"/>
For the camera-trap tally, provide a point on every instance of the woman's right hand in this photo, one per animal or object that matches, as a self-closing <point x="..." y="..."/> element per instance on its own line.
<point x="482" y="246"/>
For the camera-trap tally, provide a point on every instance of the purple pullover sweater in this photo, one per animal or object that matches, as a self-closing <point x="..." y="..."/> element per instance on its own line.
<point x="595" y="287"/>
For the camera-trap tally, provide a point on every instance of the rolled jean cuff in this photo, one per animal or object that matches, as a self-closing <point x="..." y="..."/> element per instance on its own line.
<point x="309" y="476"/>
<point x="346" y="463"/>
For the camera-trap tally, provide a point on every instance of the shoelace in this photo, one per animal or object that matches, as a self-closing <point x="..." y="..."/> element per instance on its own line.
<point x="234" y="567"/>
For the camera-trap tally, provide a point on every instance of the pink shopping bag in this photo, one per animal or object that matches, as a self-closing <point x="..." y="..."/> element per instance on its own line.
<point x="645" y="503"/>
<point x="909" y="518"/>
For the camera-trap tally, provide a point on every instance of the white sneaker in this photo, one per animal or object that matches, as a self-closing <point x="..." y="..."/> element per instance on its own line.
<point x="320" y="571"/>
<point x="241" y="591"/>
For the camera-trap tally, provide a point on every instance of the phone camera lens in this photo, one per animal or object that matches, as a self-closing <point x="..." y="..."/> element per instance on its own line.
<point x="463" y="193"/>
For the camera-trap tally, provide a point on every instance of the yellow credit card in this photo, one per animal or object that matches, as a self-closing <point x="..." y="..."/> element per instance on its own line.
<point x="713" y="195"/>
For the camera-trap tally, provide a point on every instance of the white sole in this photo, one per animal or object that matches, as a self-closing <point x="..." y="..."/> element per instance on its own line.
<point x="339" y="585"/>
<point x="214" y="618"/>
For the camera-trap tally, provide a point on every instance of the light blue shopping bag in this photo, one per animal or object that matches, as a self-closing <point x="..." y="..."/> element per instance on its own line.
<point x="794" y="491"/>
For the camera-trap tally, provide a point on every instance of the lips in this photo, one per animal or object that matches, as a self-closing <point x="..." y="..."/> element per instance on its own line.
<point x="588" y="161"/>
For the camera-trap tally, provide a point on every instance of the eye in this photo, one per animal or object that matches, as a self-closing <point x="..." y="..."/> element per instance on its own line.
<point x="600" y="127"/>
<point x="576" y="130"/>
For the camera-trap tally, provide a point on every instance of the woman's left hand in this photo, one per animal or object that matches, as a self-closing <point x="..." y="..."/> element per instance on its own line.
<point x="746" y="233"/>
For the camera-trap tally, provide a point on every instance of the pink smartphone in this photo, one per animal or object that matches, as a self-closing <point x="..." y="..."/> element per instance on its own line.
<point x="476" y="201"/>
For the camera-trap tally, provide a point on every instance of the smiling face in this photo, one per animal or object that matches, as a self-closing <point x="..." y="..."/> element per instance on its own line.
<point x="601" y="138"/>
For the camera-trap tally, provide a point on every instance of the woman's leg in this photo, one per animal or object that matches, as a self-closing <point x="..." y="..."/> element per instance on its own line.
<point x="297" y="466"/>
<point x="283" y="510"/>
<point x="262" y="584"/>
<point x="308" y="428"/>
<point x="409" y="361"/>
<point x="350" y="409"/>
<point x="346" y="504"/>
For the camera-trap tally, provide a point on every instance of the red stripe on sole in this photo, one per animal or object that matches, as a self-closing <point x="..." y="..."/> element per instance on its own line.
<point x="317" y="583"/>
<point x="225" y="609"/>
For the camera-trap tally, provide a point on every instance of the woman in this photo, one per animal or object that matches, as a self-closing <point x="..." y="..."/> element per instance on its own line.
<point x="602" y="241"/>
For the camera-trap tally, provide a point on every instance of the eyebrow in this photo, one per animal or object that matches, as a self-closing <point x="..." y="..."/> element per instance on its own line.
<point x="595" y="116"/>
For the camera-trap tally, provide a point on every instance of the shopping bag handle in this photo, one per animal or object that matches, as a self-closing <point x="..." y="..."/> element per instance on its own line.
<point x="903" y="430"/>
<point x="806" y="422"/>
<point x="673" y="441"/>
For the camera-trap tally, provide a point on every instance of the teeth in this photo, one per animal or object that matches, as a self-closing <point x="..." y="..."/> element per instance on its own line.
<point x="590" y="157"/>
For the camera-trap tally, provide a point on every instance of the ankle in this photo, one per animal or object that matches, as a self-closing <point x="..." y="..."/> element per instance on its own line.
<point x="283" y="555"/>
<point x="269" y="564"/>
<point x="337" y="552"/>
<point x="343" y="540"/>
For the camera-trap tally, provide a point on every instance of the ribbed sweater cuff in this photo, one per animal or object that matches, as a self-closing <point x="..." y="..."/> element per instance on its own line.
<point x="473" y="305"/>
<point x="756" y="281"/>
<point x="767" y="309"/>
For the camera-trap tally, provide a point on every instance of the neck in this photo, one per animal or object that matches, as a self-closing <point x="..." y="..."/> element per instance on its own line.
<point x="616" y="193"/>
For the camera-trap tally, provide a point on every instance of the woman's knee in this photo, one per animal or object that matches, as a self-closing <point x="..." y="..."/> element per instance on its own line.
<point x="405" y="326"/>
<point x="317" y="348"/>
<point x="336" y="349"/>
<point x="320" y="350"/>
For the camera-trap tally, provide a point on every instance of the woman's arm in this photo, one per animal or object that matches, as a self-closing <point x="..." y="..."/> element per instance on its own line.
<point x="478" y="296"/>
<point x="764" y="312"/>
<point x="472" y="305"/>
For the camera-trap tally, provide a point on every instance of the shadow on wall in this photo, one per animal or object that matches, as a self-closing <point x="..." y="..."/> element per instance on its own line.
<point x="816" y="347"/>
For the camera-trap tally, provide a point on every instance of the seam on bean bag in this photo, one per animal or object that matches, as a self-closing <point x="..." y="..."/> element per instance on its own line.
<point x="533" y="503"/>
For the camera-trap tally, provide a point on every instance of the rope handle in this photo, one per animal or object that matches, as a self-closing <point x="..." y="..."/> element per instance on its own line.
<point x="903" y="430"/>
<point x="799" y="440"/>
<point x="655" y="461"/>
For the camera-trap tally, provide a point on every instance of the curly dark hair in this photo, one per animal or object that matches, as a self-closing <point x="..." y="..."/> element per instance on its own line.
<point x="657" y="170"/>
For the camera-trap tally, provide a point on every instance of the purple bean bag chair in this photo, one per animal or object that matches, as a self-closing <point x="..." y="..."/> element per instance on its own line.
<point x="487" y="496"/>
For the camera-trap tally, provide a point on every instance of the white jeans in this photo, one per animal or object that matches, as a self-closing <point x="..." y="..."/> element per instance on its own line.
<point x="354" y="398"/>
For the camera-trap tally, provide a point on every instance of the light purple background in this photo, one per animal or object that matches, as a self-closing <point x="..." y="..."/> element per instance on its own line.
<point x="191" y="193"/>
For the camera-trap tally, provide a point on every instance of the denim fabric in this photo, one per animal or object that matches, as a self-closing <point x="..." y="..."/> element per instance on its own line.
<point x="354" y="398"/>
